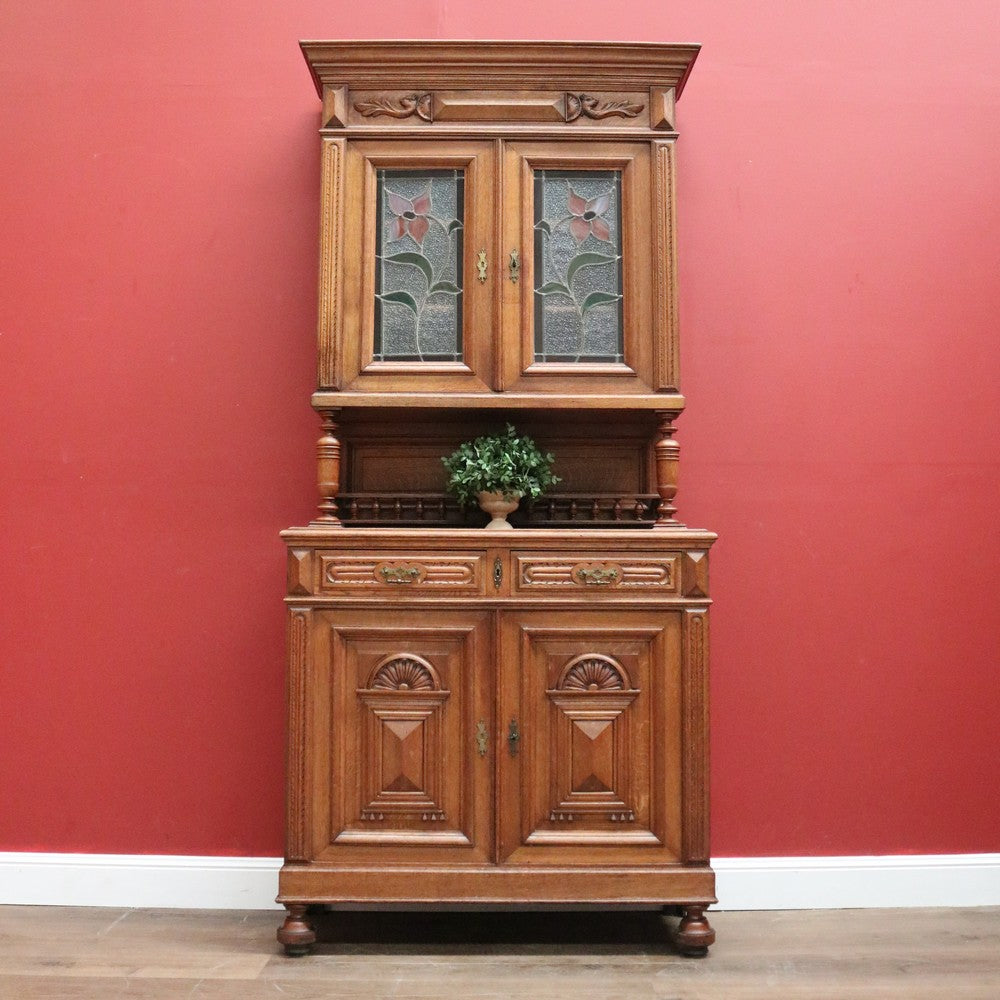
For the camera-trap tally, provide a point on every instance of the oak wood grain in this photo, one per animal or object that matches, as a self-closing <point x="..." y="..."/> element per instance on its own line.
<point x="473" y="719"/>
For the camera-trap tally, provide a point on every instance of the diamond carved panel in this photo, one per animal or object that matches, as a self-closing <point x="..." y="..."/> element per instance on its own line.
<point x="591" y="776"/>
<point x="403" y="752"/>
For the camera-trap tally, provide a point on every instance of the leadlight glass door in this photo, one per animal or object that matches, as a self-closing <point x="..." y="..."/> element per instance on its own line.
<point x="577" y="269"/>
<point x="417" y="281"/>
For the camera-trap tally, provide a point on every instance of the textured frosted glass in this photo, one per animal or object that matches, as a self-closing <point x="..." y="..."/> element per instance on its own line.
<point x="578" y="273"/>
<point x="418" y="273"/>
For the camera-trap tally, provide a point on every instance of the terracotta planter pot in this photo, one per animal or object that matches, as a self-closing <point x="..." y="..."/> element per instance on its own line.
<point x="498" y="506"/>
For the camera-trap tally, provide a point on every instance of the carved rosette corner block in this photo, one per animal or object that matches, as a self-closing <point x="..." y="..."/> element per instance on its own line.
<point x="694" y="569"/>
<point x="667" y="453"/>
<point x="695" y="934"/>
<point x="662" y="108"/>
<point x="397" y="106"/>
<point x="328" y="469"/>
<point x="300" y="572"/>
<point x="334" y="107"/>
<point x="590" y="106"/>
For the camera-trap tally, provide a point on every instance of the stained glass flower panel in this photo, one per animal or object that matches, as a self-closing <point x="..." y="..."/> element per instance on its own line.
<point x="418" y="266"/>
<point x="578" y="266"/>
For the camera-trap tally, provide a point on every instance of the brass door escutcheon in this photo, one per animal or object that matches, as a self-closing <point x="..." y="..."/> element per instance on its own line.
<point x="482" y="738"/>
<point x="497" y="572"/>
<point x="481" y="264"/>
<point x="515" y="266"/>
<point x="513" y="736"/>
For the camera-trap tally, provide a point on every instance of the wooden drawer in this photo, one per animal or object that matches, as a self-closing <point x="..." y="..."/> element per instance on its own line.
<point x="536" y="573"/>
<point x="400" y="572"/>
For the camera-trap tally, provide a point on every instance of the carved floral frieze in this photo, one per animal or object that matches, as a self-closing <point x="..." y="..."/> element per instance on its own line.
<point x="404" y="106"/>
<point x="421" y="106"/>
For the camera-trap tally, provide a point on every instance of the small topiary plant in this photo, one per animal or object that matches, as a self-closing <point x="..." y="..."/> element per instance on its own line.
<point x="507" y="463"/>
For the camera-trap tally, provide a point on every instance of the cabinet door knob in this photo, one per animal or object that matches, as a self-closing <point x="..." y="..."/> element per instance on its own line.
<point x="481" y="265"/>
<point x="515" y="266"/>
<point x="513" y="737"/>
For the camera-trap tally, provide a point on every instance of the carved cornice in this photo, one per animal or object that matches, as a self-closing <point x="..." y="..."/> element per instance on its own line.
<point x="469" y="65"/>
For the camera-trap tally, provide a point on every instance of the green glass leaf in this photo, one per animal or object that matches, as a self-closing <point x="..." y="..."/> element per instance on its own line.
<point x="444" y="286"/>
<point x="417" y="260"/>
<point x="403" y="298"/>
<point x="586" y="260"/>
<point x="544" y="226"/>
<point x="454" y="224"/>
<point x="553" y="288"/>
<point x="597" y="299"/>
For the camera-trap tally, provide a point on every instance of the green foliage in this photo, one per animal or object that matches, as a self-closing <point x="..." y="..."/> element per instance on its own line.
<point x="499" y="463"/>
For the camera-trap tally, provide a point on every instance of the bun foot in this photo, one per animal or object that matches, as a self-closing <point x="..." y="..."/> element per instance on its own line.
<point x="695" y="933"/>
<point x="295" y="934"/>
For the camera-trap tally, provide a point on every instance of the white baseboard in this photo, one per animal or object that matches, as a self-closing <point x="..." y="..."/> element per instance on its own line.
<point x="145" y="880"/>
<point x="139" y="880"/>
<point x="833" y="883"/>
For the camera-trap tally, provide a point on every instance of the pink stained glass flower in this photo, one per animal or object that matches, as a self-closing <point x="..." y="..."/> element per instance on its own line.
<point x="587" y="217"/>
<point x="410" y="216"/>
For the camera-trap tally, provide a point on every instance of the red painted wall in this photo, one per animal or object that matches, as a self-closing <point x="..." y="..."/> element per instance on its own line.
<point x="839" y="167"/>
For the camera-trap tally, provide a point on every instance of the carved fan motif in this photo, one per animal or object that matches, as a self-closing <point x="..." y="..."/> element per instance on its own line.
<point x="593" y="673"/>
<point x="404" y="673"/>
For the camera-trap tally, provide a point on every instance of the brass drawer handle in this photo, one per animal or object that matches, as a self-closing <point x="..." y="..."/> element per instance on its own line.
<point x="400" y="574"/>
<point x="597" y="577"/>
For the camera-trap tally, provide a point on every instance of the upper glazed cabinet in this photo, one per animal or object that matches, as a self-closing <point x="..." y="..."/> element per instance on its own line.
<point x="488" y="232"/>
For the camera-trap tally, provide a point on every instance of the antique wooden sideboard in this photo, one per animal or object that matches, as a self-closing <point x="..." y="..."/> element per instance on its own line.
<point x="497" y="717"/>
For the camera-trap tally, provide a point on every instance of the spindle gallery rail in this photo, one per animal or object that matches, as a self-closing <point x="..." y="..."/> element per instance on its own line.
<point x="439" y="510"/>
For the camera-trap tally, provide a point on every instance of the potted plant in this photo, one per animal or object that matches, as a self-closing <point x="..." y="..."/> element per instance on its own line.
<point x="496" y="470"/>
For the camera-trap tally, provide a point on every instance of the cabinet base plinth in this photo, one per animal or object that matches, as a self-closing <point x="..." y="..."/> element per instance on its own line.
<point x="496" y="885"/>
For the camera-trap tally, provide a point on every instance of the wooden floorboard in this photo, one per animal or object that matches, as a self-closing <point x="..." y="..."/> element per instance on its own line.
<point x="62" y="953"/>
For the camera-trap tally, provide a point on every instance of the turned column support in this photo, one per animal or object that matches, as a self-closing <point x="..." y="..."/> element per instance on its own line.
<point x="695" y="933"/>
<point x="328" y="469"/>
<point x="295" y="933"/>
<point x="668" y="453"/>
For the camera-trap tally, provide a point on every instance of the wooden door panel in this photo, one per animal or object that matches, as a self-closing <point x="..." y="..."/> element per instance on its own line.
<point x="569" y="362"/>
<point x="408" y="227"/>
<point x="596" y="777"/>
<point x="401" y="697"/>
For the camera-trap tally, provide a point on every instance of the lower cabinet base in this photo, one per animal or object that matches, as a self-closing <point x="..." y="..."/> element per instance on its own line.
<point x="306" y="890"/>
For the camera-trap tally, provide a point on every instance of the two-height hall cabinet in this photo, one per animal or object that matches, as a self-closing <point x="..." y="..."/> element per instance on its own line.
<point x="511" y="717"/>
